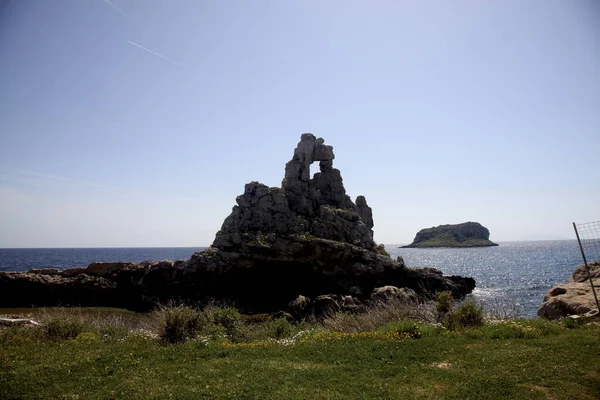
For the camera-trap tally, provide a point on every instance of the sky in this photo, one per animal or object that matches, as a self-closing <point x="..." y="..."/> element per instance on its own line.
<point x="137" y="122"/>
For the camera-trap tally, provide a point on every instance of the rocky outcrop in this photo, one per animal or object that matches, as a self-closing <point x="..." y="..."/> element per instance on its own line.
<point x="323" y="305"/>
<point x="574" y="297"/>
<point x="306" y="238"/>
<point x="129" y="285"/>
<point x="387" y="293"/>
<point x="467" y="234"/>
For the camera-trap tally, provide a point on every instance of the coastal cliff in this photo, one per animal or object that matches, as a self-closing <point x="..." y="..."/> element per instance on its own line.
<point x="306" y="237"/>
<point x="467" y="234"/>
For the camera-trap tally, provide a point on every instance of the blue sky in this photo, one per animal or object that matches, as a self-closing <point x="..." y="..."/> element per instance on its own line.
<point x="138" y="122"/>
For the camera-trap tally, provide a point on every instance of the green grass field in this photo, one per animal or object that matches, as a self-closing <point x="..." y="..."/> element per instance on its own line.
<point x="530" y="359"/>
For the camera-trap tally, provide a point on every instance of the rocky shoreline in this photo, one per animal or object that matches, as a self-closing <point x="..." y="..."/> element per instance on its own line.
<point x="574" y="297"/>
<point x="307" y="238"/>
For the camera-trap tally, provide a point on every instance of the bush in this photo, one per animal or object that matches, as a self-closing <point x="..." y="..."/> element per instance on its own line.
<point x="444" y="303"/>
<point x="180" y="323"/>
<point x="408" y="327"/>
<point x="111" y="332"/>
<point x="502" y="309"/>
<point x="381" y="250"/>
<point x="571" y="323"/>
<point x="466" y="315"/>
<point x="281" y="328"/>
<point x="87" y="337"/>
<point x="227" y="317"/>
<point x="63" y="328"/>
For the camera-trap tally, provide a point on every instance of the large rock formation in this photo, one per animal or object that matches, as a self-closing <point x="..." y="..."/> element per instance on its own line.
<point x="306" y="238"/>
<point x="575" y="297"/>
<point x="467" y="234"/>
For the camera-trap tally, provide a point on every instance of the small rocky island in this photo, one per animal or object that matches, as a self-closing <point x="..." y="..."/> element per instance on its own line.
<point x="300" y="246"/>
<point x="467" y="234"/>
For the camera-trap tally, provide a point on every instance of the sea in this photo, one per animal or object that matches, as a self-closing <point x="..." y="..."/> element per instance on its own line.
<point x="514" y="276"/>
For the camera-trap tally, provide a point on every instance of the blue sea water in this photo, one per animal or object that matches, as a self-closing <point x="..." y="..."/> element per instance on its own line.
<point x="62" y="258"/>
<point x="516" y="272"/>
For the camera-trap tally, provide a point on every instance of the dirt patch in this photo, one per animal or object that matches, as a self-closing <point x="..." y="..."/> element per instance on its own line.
<point x="303" y="366"/>
<point x="442" y="365"/>
<point x="542" y="389"/>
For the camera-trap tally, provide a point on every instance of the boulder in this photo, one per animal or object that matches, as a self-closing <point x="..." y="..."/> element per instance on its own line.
<point x="390" y="293"/>
<point x="282" y="314"/>
<point x="326" y="304"/>
<point x="580" y="274"/>
<point x="572" y="298"/>
<point x="300" y="307"/>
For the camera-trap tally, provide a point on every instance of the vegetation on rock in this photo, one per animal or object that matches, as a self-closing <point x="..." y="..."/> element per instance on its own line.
<point x="468" y="234"/>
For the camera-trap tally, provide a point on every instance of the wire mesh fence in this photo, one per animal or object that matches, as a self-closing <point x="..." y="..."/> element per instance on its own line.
<point x="588" y="236"/>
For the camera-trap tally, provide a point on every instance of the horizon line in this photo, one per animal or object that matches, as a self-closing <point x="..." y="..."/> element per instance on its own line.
<point x="207" y="246"/>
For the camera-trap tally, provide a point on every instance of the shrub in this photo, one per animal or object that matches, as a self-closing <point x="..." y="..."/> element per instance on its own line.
<point x="87" y="337"/>
<point x="20" y="333"/>
<point x="180" y="323"/>
<point x="466" y="315"/>
<point x="571" y="323"/>
<point x="408" y="327"/>
<point x="110" y="332"/>
<point x="502" y="309"/>
<point x="444" y="303"/>
<point x="381" y="250"/>
<point x="214" y="332"/>
<point x="227" y="317"/>
<point x="63" y="328"/>
<point x="281" y="328"/>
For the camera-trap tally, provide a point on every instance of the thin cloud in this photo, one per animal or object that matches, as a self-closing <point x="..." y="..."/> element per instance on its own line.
<point x="123" y="13"/>
<point x="81" y="183"/>
<point x="131" y="192"/>
<point x="156" y="54"/>
<point x="172" y="61"/>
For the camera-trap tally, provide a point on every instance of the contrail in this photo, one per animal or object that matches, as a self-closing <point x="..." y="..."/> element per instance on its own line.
<point x="172" y="61"/>
<point x="120" y="10"/>
<point x="156" y="54"/>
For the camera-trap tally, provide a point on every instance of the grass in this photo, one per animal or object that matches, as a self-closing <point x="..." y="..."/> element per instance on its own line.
<point x="402" y="358"/>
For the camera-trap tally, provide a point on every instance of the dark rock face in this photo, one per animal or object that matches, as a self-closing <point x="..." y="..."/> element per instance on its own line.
<point x="306" y="238"/>
<point x="468" y="234"/>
